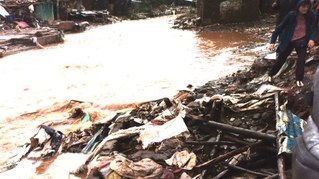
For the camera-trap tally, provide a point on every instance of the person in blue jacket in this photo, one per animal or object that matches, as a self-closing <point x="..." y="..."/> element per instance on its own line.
<point x="298" y="31"/>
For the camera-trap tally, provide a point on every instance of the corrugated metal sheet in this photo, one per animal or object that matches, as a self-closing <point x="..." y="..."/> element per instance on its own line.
<point x="44" y="11"/>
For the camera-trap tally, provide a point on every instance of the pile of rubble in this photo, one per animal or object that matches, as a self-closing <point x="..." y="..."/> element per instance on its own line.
<point x="237" y="126"/>
<point x="22" y="29"/>
<point x="29" y="39"/>
<point x="186" y="22"/>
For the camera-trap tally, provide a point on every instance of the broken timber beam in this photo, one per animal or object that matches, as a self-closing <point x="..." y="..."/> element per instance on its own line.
<point x="247" y="132"/>
<point x="211" y="143"/>
<point x="228" y="155"/>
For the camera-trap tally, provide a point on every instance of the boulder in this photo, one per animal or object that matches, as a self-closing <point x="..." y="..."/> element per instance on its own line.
<point x="226" y="11"/>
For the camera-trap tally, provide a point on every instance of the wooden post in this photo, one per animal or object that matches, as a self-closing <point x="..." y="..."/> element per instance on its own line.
<point x="280" y="160"/>
<point x="58" y="9"/>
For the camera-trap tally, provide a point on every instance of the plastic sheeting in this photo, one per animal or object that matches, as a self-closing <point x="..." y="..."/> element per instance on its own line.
<point x="3" y="12"/>
<point x="289" y="127"/>
<point x="156" y="133"/>
<point x="145" y="168"/>
<point x="183" y="159"/>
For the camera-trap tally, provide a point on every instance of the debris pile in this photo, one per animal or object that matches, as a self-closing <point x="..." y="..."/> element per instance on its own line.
<point x="26" y="27"/>
<point x="93" y="16"/>
<point x="237" y="126"/>
<point x="29" y="39"/>
<point x="186" y="22"/>
<point x="18" y="14"/>
<point x="162" y="10"/>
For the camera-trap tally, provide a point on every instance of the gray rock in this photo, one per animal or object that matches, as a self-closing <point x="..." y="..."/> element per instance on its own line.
<point x="256" y="116"/>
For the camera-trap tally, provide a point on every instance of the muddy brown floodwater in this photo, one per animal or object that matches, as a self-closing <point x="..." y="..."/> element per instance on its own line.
<point x="119" y="63"/>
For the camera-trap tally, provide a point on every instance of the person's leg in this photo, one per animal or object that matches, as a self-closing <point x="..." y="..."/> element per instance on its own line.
<point x="301" y="52"/>
<point x="281" y="59"/>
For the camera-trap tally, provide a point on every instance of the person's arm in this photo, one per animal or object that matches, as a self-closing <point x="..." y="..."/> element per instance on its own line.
<point x="279" y="28"/>
<point x="314" y="31"/>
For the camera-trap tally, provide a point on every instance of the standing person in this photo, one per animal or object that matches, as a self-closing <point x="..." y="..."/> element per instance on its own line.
<point x="283" y="7"/>
<point x="300" y="33"/>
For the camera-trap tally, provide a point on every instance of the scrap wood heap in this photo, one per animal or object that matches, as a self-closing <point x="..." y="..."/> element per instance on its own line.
<point x="236" y="126"/>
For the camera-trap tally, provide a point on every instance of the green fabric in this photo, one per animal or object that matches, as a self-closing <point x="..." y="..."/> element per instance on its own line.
<point x="44" y="11"/>
<point x="86" y="118"/>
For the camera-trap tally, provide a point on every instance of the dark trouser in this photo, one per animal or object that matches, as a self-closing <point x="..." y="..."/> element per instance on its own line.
<point x="282" y="57"/>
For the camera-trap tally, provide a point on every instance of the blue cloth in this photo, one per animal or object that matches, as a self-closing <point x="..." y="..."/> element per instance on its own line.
<point x="289" y="127"/>
<point x="294" y="129"/>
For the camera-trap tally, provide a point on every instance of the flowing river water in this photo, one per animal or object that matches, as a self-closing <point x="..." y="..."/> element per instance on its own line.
<point x="125" y="62"/>
<point x="119" y="63"/>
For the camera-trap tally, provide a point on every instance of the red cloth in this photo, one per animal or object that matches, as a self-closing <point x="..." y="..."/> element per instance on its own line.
<point x="317" y="5"/>
<point x="22" y="24"/>
<point x="300" y="30"/>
